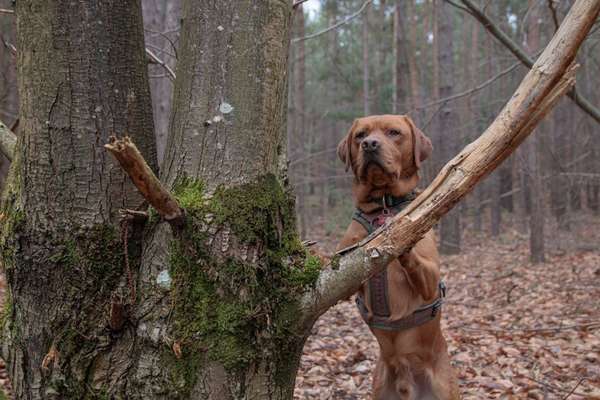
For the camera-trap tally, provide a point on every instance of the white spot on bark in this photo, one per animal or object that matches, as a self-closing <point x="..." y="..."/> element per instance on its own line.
<point x="217" y="118"/>
<point x="98" y="109"/>
<point x="220" y="28"/>
<point x="225" y="108"/>
<point x="375" y="253"/>
<point x="164" y="279"/>
<point x="220" y="146"/>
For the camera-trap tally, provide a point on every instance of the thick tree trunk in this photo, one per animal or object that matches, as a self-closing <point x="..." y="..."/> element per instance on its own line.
<point x="222" y="327"/>
<point x="82" y="77"/>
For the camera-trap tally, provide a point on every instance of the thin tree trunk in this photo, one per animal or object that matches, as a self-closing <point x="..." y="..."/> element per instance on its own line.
<point x="412" y="54"/>
<point x="536" y="218"/>
<point x="162" y="20"/>
<point x="450" y="233"/>
<point x="365" y="54"/>
<point x="400" y="82"/>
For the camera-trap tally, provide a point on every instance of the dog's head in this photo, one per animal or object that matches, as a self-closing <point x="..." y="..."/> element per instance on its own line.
<point x="385" y="152"/>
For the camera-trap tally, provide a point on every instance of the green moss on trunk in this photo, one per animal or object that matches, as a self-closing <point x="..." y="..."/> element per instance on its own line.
<point x="235" y="308"/>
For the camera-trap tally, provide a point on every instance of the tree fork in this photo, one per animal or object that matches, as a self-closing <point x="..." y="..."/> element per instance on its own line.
<point x="550" y="77"/>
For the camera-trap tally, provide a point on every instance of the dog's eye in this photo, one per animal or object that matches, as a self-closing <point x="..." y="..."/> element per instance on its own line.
<point x="393" y="132"/>
<point x="361" y="135"/>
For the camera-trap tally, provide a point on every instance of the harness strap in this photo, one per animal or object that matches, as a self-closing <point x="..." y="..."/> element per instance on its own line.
<point x="421" y="316"/>
<point x="378" y="283"/>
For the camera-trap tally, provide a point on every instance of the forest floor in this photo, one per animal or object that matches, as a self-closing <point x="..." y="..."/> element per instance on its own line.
<point x="514" y="330"/>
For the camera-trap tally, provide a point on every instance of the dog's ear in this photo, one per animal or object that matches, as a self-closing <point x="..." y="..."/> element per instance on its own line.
<point x="344" y="149"/>
<point x="422" y="146"/>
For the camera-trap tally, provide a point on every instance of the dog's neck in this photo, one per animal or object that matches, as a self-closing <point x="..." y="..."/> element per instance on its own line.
<point x="368" y="196"/>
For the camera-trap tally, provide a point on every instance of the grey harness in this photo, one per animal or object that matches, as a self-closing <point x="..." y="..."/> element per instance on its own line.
<point x="378" y="285"/>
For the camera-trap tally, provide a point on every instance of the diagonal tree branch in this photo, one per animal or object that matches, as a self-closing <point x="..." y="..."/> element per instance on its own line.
<point x="8" y="141"/>
<point x="518" y="52"/>
<point x="552" y="76"/>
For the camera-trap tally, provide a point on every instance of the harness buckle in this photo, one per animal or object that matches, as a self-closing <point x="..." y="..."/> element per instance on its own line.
<point x="442" y="286"/>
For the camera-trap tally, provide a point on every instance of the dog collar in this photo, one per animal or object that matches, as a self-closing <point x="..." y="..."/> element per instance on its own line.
<point x="389" y="206"/>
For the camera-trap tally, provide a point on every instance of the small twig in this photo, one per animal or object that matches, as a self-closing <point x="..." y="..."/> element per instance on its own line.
<point x="469" y="91"/>
<point x="132" y="161"/>
<point x="334" y="26"/>
<point x="6" y="11"/>
<point x="531" y="330"/>
<point x="133" y="215"/>
<point x="574" y="388"/>
<point x="154" y="58"/>
<point x="10" y="47"/>
<point x="554" y="15"/>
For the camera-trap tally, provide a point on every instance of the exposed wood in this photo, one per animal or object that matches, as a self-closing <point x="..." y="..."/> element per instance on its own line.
<point x="8" y="141"/>
<point x="132" y="161"/>
<point x="552" y="76"/>
<point x="521" y="54"/>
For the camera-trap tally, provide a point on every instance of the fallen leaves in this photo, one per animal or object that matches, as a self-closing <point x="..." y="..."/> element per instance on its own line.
<point x="514" y="330"/>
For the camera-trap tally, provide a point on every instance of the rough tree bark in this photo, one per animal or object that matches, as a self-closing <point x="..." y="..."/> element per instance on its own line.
<point x="220" y="307"/>
<point x="82" y="76"/>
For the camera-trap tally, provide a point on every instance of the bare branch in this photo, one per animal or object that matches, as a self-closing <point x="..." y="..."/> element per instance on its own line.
<point x="334" y="26"/>
<point x="8" y="141"/>
<point x="154" y="58"/>
<point x="5" y="11"/>
<point x="518" y="52"/>
<point x="470" y="91"/>
<point x="551" y="77"/>
<point x="132" y="161"/>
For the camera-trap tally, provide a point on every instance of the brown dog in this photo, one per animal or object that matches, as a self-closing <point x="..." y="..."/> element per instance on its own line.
<point x="401" y="305"/>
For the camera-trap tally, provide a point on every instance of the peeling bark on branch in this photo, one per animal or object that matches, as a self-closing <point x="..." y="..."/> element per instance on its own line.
<point x="8" y="141"/>
<point x="550" y="77"/>
<point x="143" y="178"/>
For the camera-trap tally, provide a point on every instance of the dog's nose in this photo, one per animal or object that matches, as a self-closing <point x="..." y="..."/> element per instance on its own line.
<point x="370" y="145"/>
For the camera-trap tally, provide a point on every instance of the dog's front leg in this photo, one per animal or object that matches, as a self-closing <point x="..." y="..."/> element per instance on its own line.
<point x="421" y="264"/>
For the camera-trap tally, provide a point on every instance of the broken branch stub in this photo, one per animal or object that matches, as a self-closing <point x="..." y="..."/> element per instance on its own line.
<point x="132" y="161"/>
